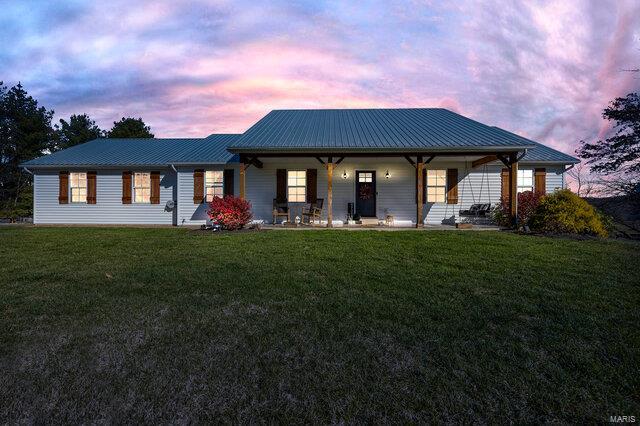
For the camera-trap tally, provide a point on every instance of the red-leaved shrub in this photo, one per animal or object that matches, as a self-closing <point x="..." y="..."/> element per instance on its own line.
<point x="527" y="204"/>
<point x="230" y="212"/>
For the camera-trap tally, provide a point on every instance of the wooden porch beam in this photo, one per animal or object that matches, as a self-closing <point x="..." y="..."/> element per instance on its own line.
<point x="243" y="171"/>
<point x="330" y="166"/>
<point x="321" y="161"/>
<point x="256" y="162"/>
<point x="339" y="160"/>
<point x="504" y="159"/>
<point x="483" y="160"/>
<point x="429" y="159"/>
<point x="513" y="188"/>
<point x="410" y="160"/>
<point x="419" y="183"/>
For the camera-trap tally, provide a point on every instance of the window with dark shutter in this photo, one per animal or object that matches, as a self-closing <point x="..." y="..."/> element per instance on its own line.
<point x="91" y="187"/>
<point x="198" y="186"/>
<point x="452" y="186"/>
<point x="155" y="188"/>
<point x="281" y="185"/>
<point x="541" y="181"/>
<point x="63" y="190"/>
<point x="126" y="187"/>
<point x="312" y="185"/>
<point x="228" y="182"/>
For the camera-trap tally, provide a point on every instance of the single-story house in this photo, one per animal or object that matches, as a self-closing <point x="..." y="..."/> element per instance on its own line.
<point x="416" y="165"/>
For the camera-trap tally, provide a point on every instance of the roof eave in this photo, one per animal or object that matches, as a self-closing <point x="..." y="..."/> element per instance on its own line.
<point x="340" y="150"/>
<point x="557" y="162"/>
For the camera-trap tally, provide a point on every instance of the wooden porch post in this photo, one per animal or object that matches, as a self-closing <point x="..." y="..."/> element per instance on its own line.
<point x="330" y="166"/>
<point x="513" y="187"/>
<point x="243" y="169"/>
<point x="420" y="184"/>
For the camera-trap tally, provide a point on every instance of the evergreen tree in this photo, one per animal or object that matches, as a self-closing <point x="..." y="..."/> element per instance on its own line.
<point x="25" y="133"/>
<point x="129" y="128"/>
<point x="79" y="129"/>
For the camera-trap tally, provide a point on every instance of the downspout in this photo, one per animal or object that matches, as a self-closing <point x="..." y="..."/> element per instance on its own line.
<point x="175" y="221"/>
<point x="27" y="170"/>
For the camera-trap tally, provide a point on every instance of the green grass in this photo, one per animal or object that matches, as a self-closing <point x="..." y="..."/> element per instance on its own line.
<point x="168" y="325"/>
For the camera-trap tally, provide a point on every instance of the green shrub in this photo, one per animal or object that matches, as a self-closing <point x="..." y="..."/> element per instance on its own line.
<point x="565" y="212"/>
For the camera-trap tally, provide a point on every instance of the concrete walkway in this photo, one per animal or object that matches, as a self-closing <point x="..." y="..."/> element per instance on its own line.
<point x="381" y="228"/>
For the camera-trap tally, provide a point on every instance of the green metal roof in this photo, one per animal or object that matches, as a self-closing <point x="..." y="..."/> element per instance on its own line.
<point x="141" y="152"/>
<point x="429" y="130"/>
<point x="373" y="130"/>
<point x="541" y="153"/>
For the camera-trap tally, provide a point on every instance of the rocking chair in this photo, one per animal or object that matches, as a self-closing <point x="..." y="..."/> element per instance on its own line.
<point x="314" y="212"/>
<point x="280" y="209"/>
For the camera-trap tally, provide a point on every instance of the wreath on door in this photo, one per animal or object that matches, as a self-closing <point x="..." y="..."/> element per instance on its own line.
<point x="366" y="192"/>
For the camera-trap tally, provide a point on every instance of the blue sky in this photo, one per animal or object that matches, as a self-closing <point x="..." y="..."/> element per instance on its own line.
<point x="543" y="69"/>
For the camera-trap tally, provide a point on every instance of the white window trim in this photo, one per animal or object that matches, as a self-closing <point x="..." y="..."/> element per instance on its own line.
<point x="303" y="186"/>
<point x="134" y="188"/>
<point x="213" y="184"/>
<point x="71" y="187"/>
<point x="524" y="188"/>
<point x="444" y="186"/>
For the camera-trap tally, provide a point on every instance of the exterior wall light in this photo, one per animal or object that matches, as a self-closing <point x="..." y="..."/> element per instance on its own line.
<point x="344" y="174"/>
<point x="387" y="175"/>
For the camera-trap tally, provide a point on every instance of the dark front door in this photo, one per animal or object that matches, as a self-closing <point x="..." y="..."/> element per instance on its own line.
<point x="366" y="193"/>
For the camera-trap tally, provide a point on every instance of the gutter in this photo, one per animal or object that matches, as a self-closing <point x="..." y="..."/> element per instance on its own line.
<point x="338" y="150"/>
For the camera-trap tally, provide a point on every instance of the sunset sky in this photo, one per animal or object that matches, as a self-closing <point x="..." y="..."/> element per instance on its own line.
<point x="544" y="69"/>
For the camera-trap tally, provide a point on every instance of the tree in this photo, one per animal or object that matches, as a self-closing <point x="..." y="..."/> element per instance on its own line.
<point x="621" y="152"/>
<point x="584" y="184"/>
<point x="25" y="133"/>
<point x="79" y="129"/>
<point x="129" y="128"/>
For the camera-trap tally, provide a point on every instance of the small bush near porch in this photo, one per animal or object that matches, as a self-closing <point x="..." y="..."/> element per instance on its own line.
<point x="166" y="325"/>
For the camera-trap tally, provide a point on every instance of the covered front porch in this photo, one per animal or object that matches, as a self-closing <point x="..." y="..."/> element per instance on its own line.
<point x="357" y="190"/>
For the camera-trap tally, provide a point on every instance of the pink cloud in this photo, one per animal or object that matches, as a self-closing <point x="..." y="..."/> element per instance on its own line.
<point x="542" y="69"/>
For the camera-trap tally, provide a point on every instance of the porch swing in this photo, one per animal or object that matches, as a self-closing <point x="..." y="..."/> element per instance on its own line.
<point x="478" y="210"/>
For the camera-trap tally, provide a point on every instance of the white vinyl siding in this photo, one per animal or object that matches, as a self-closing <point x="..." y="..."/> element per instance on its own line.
<point x="395" y="195"/>
<point x="108" y="208"/>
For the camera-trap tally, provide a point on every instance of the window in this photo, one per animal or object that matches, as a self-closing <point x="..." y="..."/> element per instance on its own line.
<point x="142" y="187"/>
<point x="365" y="177"/>
<point x="213" y="183"/>
<point x="436" y="186"/>
<point x="78" y="186"/>
<point x="297" y="186"/>
<point x="525" y="180"/>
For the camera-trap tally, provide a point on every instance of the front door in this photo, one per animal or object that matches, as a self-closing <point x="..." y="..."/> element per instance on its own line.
<point x="366" y="193"/>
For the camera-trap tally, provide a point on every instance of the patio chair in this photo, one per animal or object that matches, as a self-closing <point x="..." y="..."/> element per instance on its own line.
<point x="281" y="209"/>
<point x="314" y="212"/>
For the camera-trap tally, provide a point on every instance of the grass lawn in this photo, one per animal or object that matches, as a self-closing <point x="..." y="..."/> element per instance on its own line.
<point x="168" y="325"/>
